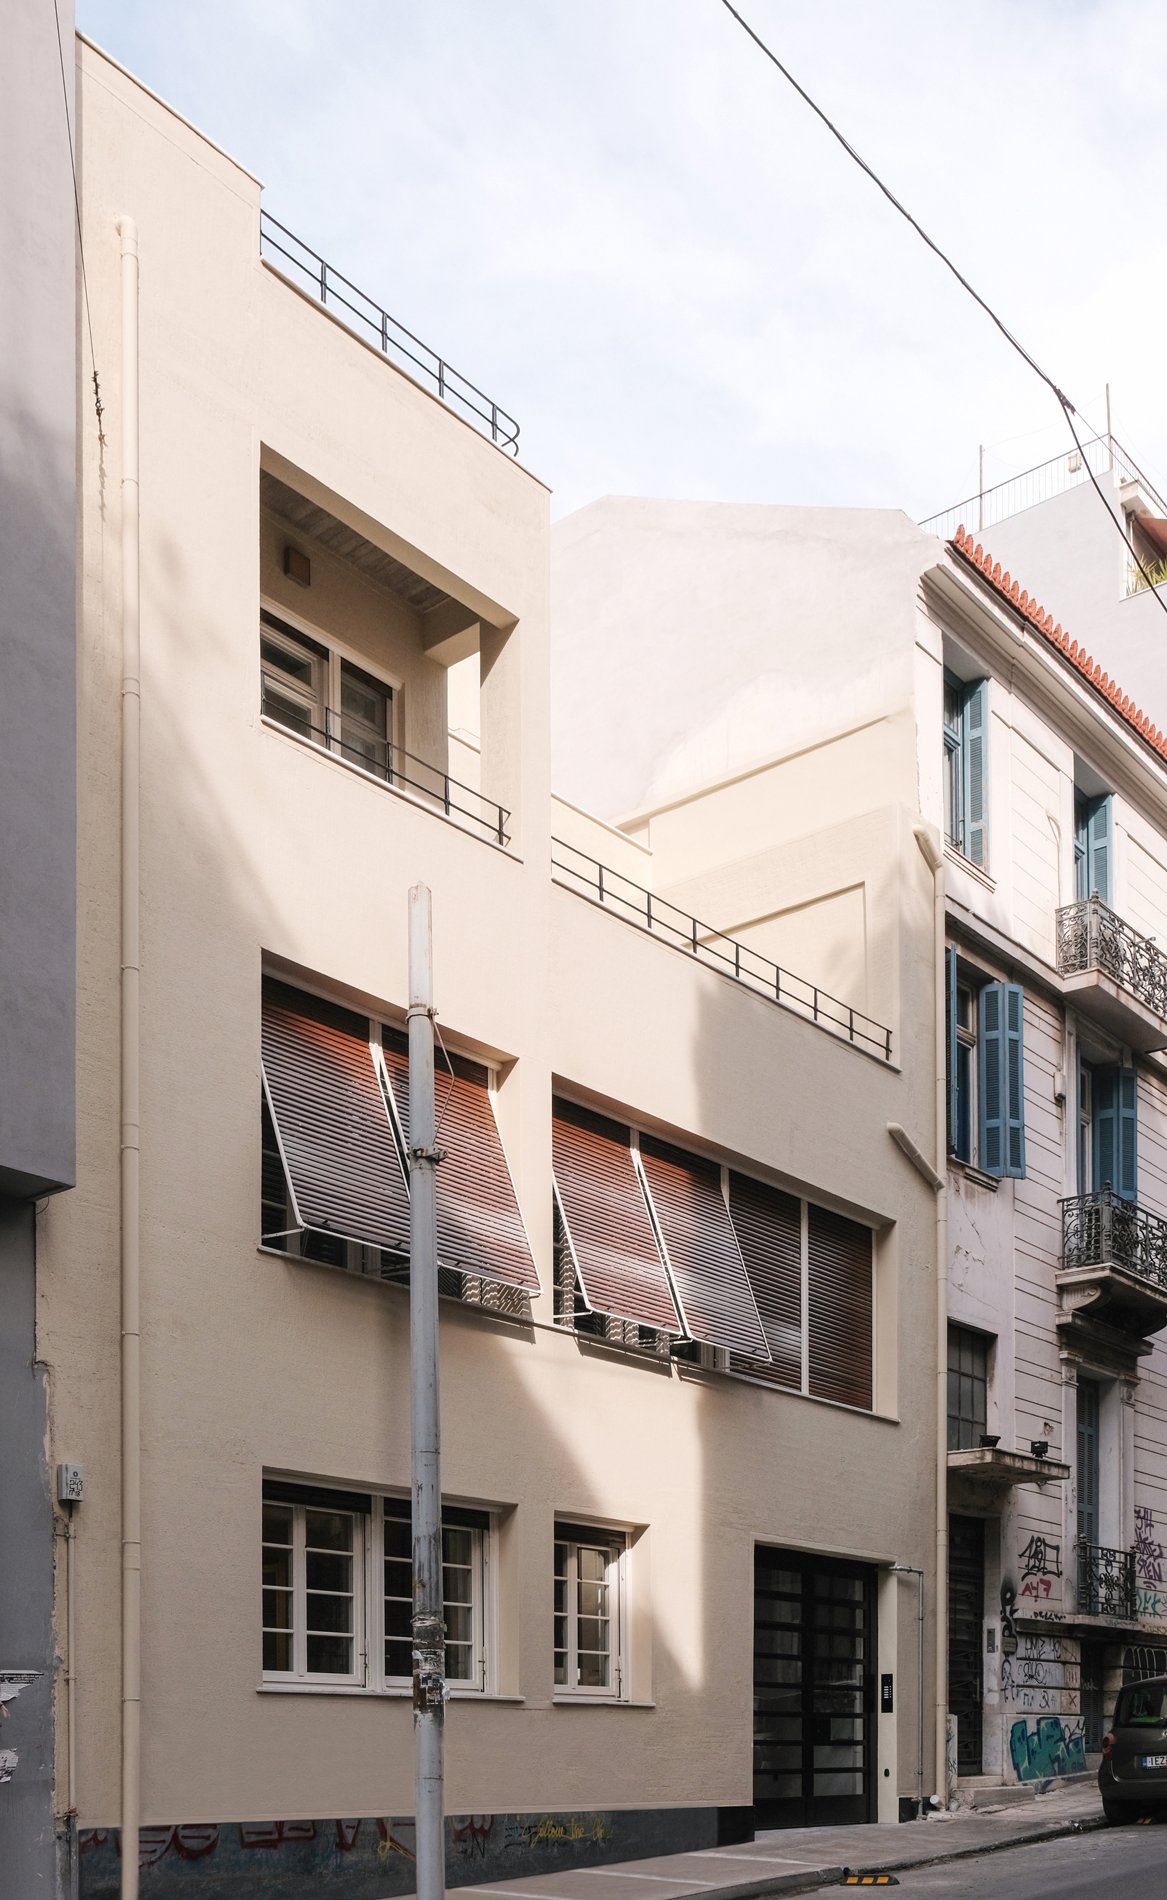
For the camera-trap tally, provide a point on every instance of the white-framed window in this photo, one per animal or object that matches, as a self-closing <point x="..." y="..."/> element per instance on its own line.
<point x="294" y="670"/>
<point x="317" y="688"/>
<point x="313" y="1568"/>
<point x="465" y="1551"/>
<point x="589" y="1620"/>
<point x="338" y="1590"/>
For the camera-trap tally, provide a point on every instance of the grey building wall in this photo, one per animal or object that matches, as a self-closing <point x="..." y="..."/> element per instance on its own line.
<point x="28" y="1849"/>
<point x="37" y="605"/>
<point x="37" y="858"/>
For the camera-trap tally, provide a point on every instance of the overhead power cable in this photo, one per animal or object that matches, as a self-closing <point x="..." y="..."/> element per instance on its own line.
<point x="1067" y="407"/>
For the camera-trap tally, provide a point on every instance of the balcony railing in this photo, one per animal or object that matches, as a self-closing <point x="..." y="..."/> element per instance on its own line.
<point x="393" y="765"/>
<point x="576" y="871"/>
<point x="1091" y="937"/>
<point x="1101" y="1229"/>
<point x="1100" y="454"/>
<point x="1106" y="1582"/>
<point x="308" y="271"/>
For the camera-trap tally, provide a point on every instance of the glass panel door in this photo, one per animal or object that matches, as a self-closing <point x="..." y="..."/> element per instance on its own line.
<point x="814" y="1740"/>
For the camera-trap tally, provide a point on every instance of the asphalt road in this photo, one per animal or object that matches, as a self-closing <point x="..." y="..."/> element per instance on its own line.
<point x="1121" y="1863"/>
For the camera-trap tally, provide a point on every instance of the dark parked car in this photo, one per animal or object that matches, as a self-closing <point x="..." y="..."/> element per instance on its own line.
<point x="1132" y="1779"/>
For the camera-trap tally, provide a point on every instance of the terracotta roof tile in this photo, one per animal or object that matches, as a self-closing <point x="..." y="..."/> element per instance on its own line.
<point x="971" y="551"/>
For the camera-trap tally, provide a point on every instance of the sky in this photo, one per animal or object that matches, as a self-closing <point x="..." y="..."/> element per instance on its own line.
<point x="618" y="219"/>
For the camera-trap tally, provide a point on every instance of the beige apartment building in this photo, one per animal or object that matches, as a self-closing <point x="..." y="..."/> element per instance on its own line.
<point x="688" y="1215"/>
<point x="770" y="640"/>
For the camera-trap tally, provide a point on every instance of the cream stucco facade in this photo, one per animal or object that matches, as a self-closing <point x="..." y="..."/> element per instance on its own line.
<point x="265" y="424"/>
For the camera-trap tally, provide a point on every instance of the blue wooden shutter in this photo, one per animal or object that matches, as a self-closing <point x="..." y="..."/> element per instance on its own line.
<point x="1128" y="1116"/>
<point x="1098" y="849"/>
<point x="976" y="707"/>
<point x="1014" y="1011"/>
<point x="1105" y="1128"/>
<point x="1081" y="849"/>
<point x="992" y="1079"/>
<point x="950" y="1011"/>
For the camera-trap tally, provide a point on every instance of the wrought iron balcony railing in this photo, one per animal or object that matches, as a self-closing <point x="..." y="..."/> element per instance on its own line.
<point x="1106" y="1582"/>
<point x="305" y="268"/>
<point x="1101" y="1229"/>
<point x="1091" y="937"/>
<point x="576" y="871"/>
<point x="391" y="765"/>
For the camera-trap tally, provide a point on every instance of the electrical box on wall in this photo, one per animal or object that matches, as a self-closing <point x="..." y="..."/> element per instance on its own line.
<point x="70" y="1484"/>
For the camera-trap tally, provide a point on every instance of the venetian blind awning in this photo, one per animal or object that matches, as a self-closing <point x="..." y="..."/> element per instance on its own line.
<point x="480" y="1227"/>
<point x="768" y="1225"/>
<point x="340" y="1155"/>
<point x="839" y="1277"/>
<point x="701" y="1250"/>
<point x="607" y="1224"/>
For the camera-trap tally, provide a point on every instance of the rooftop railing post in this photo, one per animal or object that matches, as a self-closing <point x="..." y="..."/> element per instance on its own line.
<point x="600" y="882"/>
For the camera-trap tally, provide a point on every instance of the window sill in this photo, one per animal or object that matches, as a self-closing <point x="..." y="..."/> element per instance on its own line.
<point x="974" y="1174"/>
<point x="376" y="1695"/>
<point x="597" y="1702"/>
<point x="957" y="858"/>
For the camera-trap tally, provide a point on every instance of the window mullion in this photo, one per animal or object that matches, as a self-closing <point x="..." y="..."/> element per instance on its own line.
<point x="299" y="1594"/>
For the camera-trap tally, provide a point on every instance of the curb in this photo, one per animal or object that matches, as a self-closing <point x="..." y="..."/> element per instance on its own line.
<point x="832" y="1876"/>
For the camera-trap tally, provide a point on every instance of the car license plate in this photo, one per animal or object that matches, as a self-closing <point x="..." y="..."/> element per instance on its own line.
<point x="1153" y="1761"/>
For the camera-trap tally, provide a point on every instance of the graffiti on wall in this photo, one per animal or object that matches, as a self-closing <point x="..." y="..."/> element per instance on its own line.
<point x="1047" y="1748"/>
<point x="1044" y="1675"/>
<point x="375" y="1856"/>
<point x="1041" y="1562"/>
<point x="1148" y="1549"/>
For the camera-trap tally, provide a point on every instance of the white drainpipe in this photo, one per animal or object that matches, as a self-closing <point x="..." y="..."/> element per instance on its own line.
<point x="130" y="1262"/>
<point x="934" y="856"/>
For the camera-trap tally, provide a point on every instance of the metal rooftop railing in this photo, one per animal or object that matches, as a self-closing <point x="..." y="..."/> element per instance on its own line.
<point x="307" y="270"/>
<point x="578" y="872"/>
<point x="1101" y="453"/>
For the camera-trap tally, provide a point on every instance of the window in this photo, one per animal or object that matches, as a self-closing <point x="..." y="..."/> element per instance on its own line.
<point x="312" y="1573"/>
<point x="965" y="781"/>
<point x="968" y="1385"/>
<point x="323" y="1623"/>
<point x="463" y="1557"/>
<point x="365" y="721"/>
<point x="294" y="671"/>
<point x="1092" y="832"/>
<point x="588" y="1583"/>
<point x="313" y="691"/>
<point x="335" y="1145"/>
<point x="571" y="1310"/>
<point x="1089" y="1461"/>
<point x="988" y="1018"/>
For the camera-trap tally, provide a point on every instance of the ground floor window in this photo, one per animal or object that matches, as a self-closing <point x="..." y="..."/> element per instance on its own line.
<point x="338" y="1589"/>
<point x="588" y="1587"/>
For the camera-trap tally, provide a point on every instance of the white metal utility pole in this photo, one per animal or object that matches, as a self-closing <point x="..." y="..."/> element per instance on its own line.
<point x="429" y="1629"/>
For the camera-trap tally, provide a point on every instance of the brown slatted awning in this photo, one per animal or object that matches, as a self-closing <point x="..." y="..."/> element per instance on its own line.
<point x="768" y="1225"/>
<point x="701" y="1250"/>
<point x="606" y="1221"/>
<point x="480" y="1228"/>
<point x="839" y="1265"/>
<point x="339" y="1151"/>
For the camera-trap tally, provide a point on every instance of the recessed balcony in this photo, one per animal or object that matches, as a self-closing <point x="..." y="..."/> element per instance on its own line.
<point x="1114" y="1263"/>
<point x="1115" y="977"/>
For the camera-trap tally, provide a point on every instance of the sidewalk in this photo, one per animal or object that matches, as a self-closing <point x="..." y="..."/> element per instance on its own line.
<point x="799" y="1859"/>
